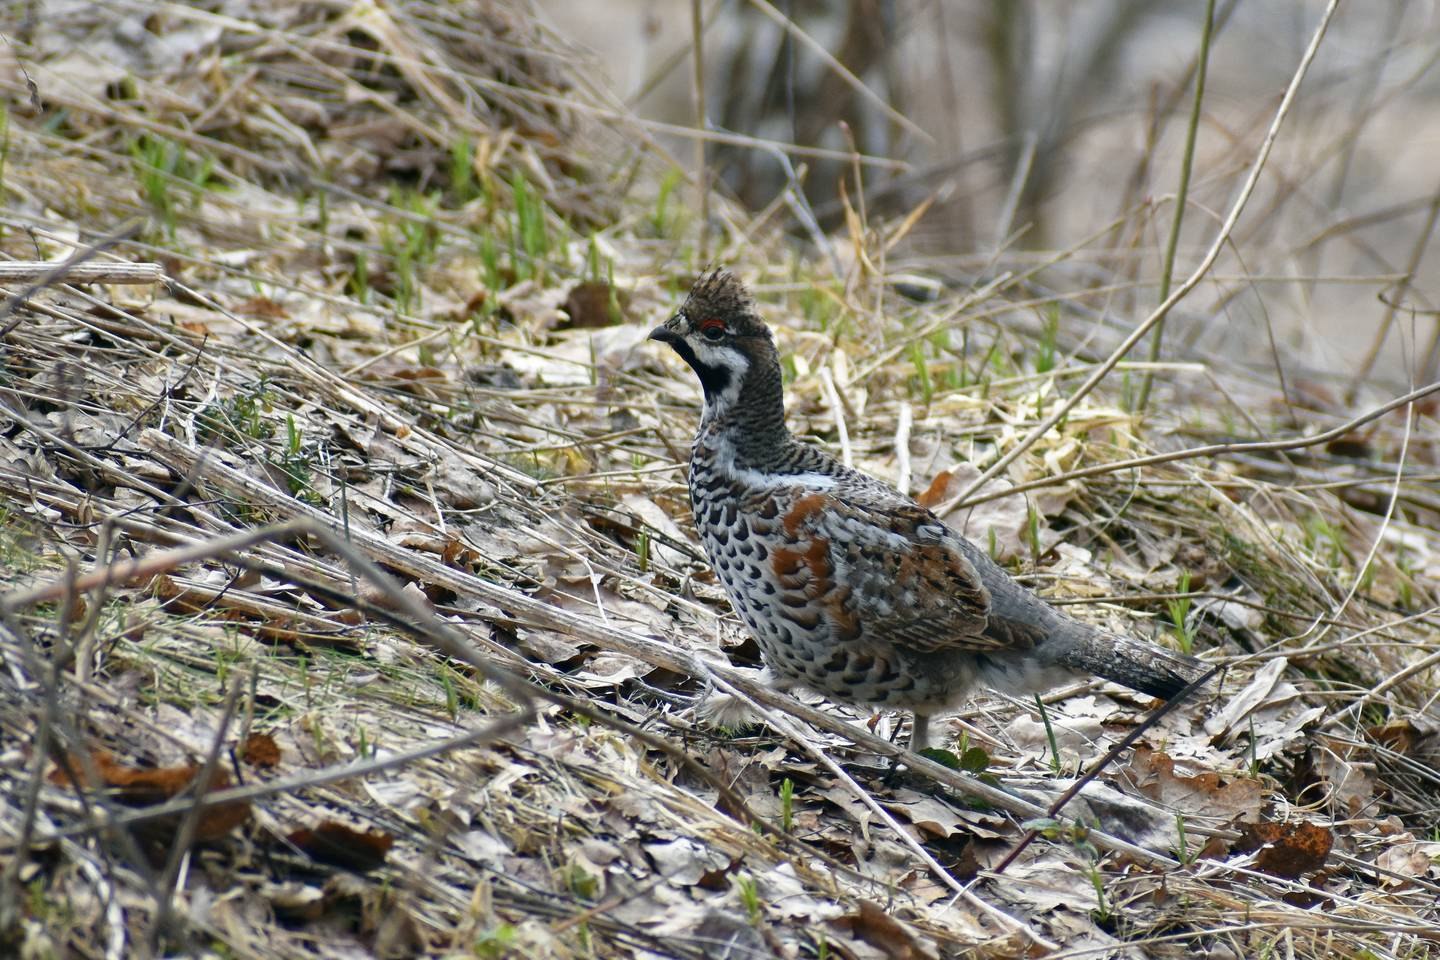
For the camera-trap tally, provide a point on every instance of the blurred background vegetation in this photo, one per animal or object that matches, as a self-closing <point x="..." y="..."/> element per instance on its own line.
<point x="1040" y="126"/>
<point x="412" y="250"/>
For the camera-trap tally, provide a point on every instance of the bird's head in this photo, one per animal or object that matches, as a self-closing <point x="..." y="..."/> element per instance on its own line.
<point x="719" y="334"/>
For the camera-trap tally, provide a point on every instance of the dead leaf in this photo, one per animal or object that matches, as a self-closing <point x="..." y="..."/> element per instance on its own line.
<point x="934" y="817"/>
<point x="1410" y="858"/>
<point x="588" y="304"/>
<point x="427" y="383"/>
<point x="1118" y="813"/>
<point x="1344" y="775"/>
<point x="1286" y="849"/>
<point x="341" y="846"/>
<point x="610" y="669"/>
<point x="1073" y="735"/>
<point x="260" y="750"/>
<point x="484" y="847"/>
<point x="883" y="932"/>
<point x="1403" y="736"/>
<point x="649" y="513"/>
<point x="1208" y="794"/>
<point x="547" y="647"/>
<point x="1259" y="690"/>
<point x="261" y="308"/>
<point x="684" y="861"/>
<point x="148" y="786"/>
<point x="386" y="601"/>
<point x="582" y="358"/>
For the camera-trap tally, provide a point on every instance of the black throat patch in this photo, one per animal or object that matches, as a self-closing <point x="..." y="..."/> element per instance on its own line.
<point x="713" y="380"/>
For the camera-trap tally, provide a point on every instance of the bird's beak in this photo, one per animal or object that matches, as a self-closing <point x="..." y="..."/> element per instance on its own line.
<point x="665" y="334"/>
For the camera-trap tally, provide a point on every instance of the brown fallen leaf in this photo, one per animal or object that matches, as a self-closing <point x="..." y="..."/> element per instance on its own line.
<point x="386" y="601"/>
<point x="260" y="750"/>
<point x="883" y="932"/>
<point x="148" y="786"/>
<point x="341" y="846"/>
<point x="1416" y="740"/>
<point x="1403" y="736"/>
<point x="1347" y="780"/>
<point x="1286" y="849"/>
<point x="1153" y="774"/>
<point x="262" y="308"/>
<point x="425" y="382"/>
<point x="588" y="305"/>
<point x="1407" y="858"/>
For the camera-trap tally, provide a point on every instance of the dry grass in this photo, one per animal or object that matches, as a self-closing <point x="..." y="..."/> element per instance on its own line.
<point x="478" y="613"/>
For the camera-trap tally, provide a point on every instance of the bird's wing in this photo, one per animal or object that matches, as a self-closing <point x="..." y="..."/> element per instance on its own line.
<point x="881" y="568"/>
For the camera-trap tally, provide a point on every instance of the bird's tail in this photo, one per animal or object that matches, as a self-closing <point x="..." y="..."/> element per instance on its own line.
<point x="1139" y="665"/>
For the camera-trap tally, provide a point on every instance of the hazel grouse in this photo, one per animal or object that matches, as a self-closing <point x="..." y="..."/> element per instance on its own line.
<point x="849" y="586"/>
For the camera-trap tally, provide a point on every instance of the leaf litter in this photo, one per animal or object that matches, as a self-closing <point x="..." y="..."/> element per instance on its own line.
<point x="381" y="223"/>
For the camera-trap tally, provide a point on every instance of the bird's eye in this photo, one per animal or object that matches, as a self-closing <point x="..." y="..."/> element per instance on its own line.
<point x="712" y="329"/>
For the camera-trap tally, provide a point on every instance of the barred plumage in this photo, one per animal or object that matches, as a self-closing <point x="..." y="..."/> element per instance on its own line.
<point x="848" y="586"/>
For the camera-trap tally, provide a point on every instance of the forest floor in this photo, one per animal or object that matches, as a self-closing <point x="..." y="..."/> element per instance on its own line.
<point x="368" y="524"/>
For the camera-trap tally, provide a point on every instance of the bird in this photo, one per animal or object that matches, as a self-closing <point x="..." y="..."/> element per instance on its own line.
<point x="849" y="587"/>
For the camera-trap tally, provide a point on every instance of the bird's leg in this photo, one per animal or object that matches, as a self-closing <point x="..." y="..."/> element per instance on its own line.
<point x="920" y="732"/>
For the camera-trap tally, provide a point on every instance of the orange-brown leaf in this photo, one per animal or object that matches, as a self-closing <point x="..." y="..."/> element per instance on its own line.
<point x="260" y="750"/>
<point x="1286" y="849"/>
<point x="345" y="847"/>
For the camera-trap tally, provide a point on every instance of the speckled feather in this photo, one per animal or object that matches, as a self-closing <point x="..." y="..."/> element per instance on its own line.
<point x="848" y="586"/>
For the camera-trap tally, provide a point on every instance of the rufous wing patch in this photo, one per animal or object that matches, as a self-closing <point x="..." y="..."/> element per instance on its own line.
<point x="804" y="566"/>
<point x="806" y="507"/>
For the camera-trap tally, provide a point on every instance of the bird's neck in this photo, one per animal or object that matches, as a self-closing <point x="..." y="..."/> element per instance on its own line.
<point x="748" y="422"/>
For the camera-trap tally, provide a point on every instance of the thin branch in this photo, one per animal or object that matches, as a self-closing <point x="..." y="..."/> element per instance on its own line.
<point x="70" y="271"/>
